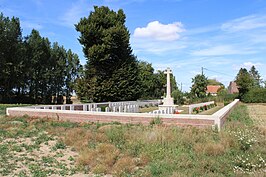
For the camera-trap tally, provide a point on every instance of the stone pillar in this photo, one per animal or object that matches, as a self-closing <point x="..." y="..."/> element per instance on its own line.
<point x="107" y="109"/>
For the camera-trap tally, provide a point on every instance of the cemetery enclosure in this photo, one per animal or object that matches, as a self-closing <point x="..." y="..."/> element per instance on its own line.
<point x="80" y="113"/>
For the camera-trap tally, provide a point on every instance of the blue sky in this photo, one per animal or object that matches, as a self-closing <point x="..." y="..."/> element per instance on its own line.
<point x="185" y="35"/>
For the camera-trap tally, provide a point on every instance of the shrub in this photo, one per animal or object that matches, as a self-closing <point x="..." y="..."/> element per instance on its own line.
<point x="255" y="95"/>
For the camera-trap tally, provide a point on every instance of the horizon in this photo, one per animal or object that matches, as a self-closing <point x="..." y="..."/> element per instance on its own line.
<point x="180" y="34"/>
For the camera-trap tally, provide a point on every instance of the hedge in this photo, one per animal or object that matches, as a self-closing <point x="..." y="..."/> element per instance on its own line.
<point x="255" y="95"/>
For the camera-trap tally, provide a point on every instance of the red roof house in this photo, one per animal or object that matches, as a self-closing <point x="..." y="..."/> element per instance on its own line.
<point x="213" y="89"/>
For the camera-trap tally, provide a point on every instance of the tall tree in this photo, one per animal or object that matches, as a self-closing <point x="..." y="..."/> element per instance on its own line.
<point x="10" y="51"/>
<point x="57" y="74"/>
<point x="244" y="81"/>
<point x="73" y="72"/>
<point x="40" y="59"/>
<point x="111" y="71"/>
<point x="199" y="86"/>
<point x="31" y="71"/>
<point x="255" y="76"/>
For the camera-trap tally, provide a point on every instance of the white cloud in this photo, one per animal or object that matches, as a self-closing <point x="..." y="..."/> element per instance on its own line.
<point x="221" y="51"/>
<point x="245" y="23"/>
<point x="161" y="32"/>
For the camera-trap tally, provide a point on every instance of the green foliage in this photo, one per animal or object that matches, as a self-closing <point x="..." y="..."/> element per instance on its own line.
<point x="199" y="86"/>
<point x="59" y="145"/>
<point x="32" y="70"/>
<point x="244" y="81"/>
<point x="178" y="97"/>
<point x="255" y="76"/>
<point x="11" y="51"/>
<point x="153" y="83"/>
<point x="111" y="72"/>
<point x="149" y="82"/>
<point x="240" y="114"/>
<point x="255" y="95"/>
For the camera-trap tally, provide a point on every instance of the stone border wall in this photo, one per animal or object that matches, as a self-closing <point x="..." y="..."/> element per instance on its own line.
<point x="217" y="119"/>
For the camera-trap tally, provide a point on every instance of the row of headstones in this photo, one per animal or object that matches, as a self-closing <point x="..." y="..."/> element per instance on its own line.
<point x="122" y="104"/>
<point x="149" y="103"/>
<point x="132" y="108"/>
<point x="164" y="111"/>
<point x="126" y="108"/>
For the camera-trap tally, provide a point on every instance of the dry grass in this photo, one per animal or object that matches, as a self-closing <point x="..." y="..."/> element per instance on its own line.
<point x="258" y="113"/>
<point x="137" y="150"/>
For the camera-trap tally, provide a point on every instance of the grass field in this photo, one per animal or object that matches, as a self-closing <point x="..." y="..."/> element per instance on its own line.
<point x="44" y="147"/>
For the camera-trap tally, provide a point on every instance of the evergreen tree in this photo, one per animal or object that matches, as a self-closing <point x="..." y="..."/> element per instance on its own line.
<point x="111" y="72"/>
<point x="39" y="51"/>
<point x="30" y="70"/>
<point x="56" y="75"/>
<point x="73" y="72"/>
<point x="199" y="86"/>
<point x="244" y="81"/>
<point x="255" y="76"/>
<point x="10" y="51"/>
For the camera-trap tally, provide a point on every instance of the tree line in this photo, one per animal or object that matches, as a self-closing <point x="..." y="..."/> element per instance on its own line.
<point x="32" y="70"/>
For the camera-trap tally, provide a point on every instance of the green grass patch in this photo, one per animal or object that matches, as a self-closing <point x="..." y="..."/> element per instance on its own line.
<point x="135" y="150"/>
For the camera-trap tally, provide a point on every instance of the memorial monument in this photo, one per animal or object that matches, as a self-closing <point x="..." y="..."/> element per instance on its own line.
<point x="168" y="101"/>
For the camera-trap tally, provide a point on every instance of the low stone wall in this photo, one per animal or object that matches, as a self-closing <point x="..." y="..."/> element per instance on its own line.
<point x="221" y="115"/>
<point x="217" y="119"/>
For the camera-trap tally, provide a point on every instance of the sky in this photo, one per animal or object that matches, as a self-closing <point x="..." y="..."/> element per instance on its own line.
<point x="220" y="36"/>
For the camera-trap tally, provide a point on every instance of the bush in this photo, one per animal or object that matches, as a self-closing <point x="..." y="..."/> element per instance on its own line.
<point x="255" y="95"/>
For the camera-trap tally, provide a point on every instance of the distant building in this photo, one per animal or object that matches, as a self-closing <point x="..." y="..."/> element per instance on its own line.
<point x="232" y="88"/>
<point x="213" y="89"/>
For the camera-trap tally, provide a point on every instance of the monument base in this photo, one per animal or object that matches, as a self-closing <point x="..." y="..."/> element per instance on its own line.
<point x="169" y="101"/>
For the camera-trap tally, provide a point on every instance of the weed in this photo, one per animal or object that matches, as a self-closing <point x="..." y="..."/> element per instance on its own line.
<point x="59" y="145"/>
<point x="156" y="121"/>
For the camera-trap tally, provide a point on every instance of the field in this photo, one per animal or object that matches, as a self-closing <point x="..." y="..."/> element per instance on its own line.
<point x="45" y="147"/>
